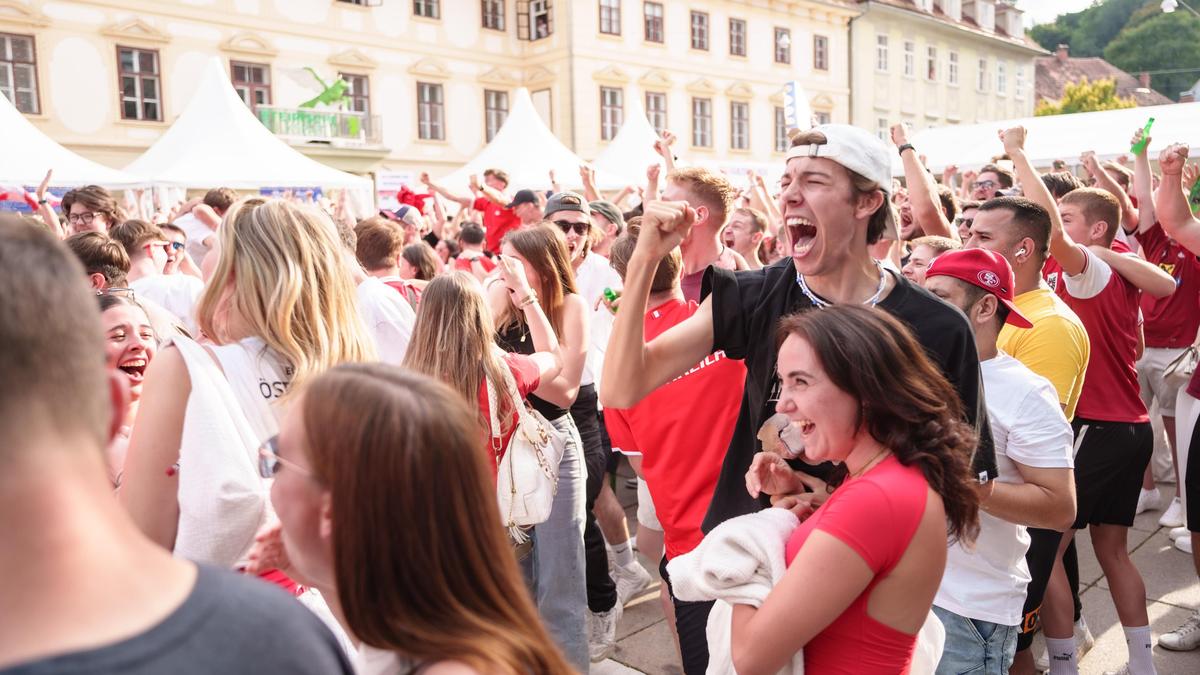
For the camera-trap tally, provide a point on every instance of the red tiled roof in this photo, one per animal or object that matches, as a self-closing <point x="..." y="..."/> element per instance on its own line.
<point x="967" y="21"/>
<point x="1053" y="74"/>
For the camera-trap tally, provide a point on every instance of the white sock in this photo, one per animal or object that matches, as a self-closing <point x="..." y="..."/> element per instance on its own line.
<point x="1139" y="644"/>
<point x="1062" y="656"/>
<point x="622" y="553"/>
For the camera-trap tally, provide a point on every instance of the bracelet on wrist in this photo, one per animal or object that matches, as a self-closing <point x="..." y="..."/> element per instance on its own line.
<point x="531" y="299"/>
<point x="906" y="146"/>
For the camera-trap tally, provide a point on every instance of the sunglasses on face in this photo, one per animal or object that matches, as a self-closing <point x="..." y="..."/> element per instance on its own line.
<point x="120" y="291"/>
<point x="269" y="461"/>
<point x="964" y="222"/>
<point x="566" y="227"/>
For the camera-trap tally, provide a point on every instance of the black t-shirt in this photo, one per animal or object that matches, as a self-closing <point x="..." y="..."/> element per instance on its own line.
<point x="515" y="339"/>
<point x="227" y="624"/>
<point x="746" y="309"/>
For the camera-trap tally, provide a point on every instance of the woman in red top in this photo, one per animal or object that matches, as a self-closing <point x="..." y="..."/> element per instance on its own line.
<point x="454" y="339"/>
<point x="864" y="567"/>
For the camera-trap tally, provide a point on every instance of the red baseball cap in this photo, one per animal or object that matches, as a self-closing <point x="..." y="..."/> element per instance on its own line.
<point x="983" y="268"/>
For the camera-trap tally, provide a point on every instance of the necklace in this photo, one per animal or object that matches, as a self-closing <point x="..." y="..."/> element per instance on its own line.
<point x="866" y="466"/>
<point x="818" y="301"/>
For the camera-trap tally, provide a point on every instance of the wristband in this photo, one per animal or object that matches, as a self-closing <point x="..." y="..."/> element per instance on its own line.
<point x="43" y="202"/>
<point x="906" y="146"/>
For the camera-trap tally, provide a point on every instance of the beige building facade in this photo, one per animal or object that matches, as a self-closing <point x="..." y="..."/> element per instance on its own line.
<point x="934" y="63"/>
<point x="429" y="80"/>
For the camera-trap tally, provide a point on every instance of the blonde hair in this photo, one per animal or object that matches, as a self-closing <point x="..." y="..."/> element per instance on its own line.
<point x="454" y="340"/>
<point x="281" y="272"/>
<point x="707" y="187"/>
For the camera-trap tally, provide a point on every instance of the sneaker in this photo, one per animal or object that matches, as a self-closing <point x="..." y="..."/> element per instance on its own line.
<point x="631" y="581"/>
<point x="602" y="633"/>
<point x="1123" y="671"/>
<point x="1149" y="500"/>
<point x="1184" y="544"/>
<point x="1177" y="532"/>
<point x="1185" y="638"/>
<point x="1173" y="516"/>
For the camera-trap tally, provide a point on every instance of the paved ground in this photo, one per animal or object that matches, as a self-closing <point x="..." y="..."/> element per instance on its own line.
<point x="645" y="644"/>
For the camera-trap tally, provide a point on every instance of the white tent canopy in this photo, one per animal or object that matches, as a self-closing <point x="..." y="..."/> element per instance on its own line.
<point x="528" y="151"/>
<point x="1063" y="137"/>
<point x="28" y="154"/>
<point x="631" y="151"/>
<point x="217" y="141"/>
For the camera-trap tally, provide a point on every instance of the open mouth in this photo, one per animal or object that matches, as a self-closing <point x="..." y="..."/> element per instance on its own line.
<point x="135" y="368"/>
<point x="802" y="233"/>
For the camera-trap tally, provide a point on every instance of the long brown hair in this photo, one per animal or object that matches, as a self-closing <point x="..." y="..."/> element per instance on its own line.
<point x="421" y="562"/>
<point x="908" y="405"/>
<point x="545" y="248"/>
<point x="454" y="340"/>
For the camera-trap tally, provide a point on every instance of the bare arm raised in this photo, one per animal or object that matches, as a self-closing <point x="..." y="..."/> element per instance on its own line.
<point x="1068" y="254"/>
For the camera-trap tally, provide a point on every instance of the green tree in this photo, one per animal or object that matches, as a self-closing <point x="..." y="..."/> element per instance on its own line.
<point x="1162" y="42"/>
<point x="1084" y="96"/>
<point x="1090" y="30"/>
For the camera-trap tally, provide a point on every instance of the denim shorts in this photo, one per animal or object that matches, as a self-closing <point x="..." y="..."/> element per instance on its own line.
<point x="975" y="647"/>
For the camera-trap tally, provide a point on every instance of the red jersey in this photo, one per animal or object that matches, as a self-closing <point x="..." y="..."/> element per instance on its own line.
<point x="463" y="264"/>
<point x="1107" y="305"/>
<point x="497" y="222"/>
<point x="1171" y="322"/>
<point x="408" y="291"/>
<point x="525" y="372"/>
<point x="682" y="430"/>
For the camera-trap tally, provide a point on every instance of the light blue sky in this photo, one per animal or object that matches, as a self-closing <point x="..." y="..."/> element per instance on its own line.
<point x="1043" y="11"/>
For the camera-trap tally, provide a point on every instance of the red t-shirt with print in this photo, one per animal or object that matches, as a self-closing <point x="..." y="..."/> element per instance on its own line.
<point x="1171" y="322"/>
<point x="525" y="373"/>
<point x="1107" y="305"/>
<point x="497" y="222"/>
<point x="682" y="430"/>
<point x="463" y="264"/>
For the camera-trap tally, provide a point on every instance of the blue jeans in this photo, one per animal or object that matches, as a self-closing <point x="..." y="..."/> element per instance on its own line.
<point x="555" y="570"/>
<point x="975" y="647"/>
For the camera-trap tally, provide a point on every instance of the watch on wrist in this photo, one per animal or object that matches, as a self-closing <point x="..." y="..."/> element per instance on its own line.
<point x="906" y="146"/>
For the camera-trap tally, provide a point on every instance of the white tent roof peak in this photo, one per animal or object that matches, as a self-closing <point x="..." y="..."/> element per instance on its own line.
<point x="217" y="141"/>
<point x="29" y="153"/>
<point x="631" y="151"/>
<point x="527" y="151"/>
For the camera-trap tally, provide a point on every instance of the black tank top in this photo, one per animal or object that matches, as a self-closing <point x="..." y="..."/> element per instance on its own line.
<point x="515" y="339"/>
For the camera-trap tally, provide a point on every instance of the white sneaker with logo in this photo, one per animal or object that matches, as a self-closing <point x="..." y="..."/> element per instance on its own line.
<point x="1149" y="500"/>
<point x="1185" y="638"/>
<point x="631" y="580"/>
<point x="1173" y="516"/>
<point x="602" y="633"/>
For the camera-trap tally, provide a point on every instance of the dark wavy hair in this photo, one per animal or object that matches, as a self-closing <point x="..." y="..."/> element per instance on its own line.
<point x="907" y="404"/>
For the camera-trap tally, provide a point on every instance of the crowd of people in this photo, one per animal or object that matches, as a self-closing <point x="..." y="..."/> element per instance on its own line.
<point x="868" y="416"/>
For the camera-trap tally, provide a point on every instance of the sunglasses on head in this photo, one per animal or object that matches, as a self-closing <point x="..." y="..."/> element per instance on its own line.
<point x="566" y="226"/>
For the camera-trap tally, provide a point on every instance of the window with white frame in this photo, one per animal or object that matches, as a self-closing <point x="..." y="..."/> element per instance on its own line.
<point x="1001" y="78"/>
<point x="141" y="84"/>
<point x="881" y="53"/>
<point x="495" y="106"/>
<point x="699" y="23"/>
<point x="823" y="117"/>
<point x="820" y="52"/>
<point x="430" y="9"/>
<point x="702" y="122"/>
<point x="493" y="14"/>
<point x="358" y="90"/>
<point x="781" y="130"/>
<point x="737" y="37"/>
<point x="653" y="12"/>
<point x="931" y="63"/>
<point x="18" y="72"/>
<point x="535" y="19"/>
<point x="739" y="125"/>
<point x="910" y="58"/>
<point x="783" y="45"/>
<point x="981" y="81"/>
<point x="431" y="112"/>
<point x="612" y="112"/>
<point x="656" y="110"/>
<point x="1019" y="88"/>
<point x="610" y="17"/>
<point x="252" y="82"/>
<point x="882" y="130"/>
<point x="952" y="68"/>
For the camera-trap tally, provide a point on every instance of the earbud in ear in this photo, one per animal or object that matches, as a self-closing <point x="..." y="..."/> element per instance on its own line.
<point x="1021" y="251"/>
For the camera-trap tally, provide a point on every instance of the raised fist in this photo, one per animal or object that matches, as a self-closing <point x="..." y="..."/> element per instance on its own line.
<point x="1013" y="139"/>
<point x="1173" y="157"/>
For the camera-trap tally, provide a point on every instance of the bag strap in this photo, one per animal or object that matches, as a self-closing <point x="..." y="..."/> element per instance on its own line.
<point x="494" y="433"/>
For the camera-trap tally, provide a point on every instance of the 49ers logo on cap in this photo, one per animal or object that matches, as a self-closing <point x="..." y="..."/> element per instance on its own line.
<point x="989" y="278"/>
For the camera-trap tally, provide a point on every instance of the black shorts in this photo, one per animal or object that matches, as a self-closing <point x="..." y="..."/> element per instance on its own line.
<point x="1191" y="481"/>
<point x="1043" y="546"/>
<point x="691" y="624"/>
<point x="1110" y="459"/>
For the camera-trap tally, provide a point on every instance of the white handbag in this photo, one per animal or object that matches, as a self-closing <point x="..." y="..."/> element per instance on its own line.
<point x="1180" y="370"/>
<point x="527" y="473"/>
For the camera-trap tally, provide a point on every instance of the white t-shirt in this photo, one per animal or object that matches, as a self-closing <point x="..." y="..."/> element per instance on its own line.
<point x="388" y="317"/>
<point x="593" y="276"/>
<point x="176" y="293"/>
<point x="1028" y="426"/>
<point x="196" y="232"/>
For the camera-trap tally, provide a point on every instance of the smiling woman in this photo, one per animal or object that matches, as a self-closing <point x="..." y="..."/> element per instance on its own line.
<point x="130" y="346"/>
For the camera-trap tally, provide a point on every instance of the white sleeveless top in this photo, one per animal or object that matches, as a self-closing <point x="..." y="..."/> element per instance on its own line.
<point x="223" y="502"/>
